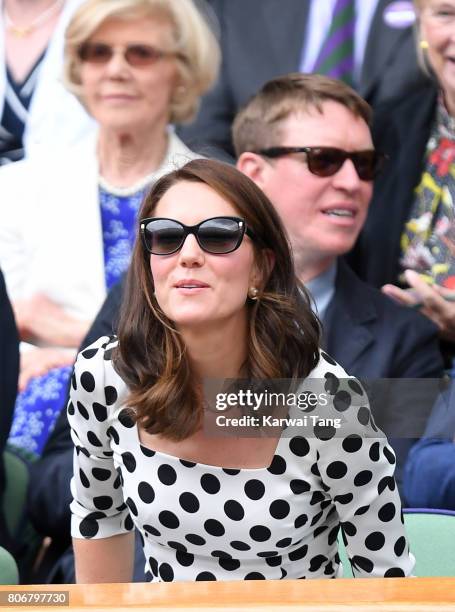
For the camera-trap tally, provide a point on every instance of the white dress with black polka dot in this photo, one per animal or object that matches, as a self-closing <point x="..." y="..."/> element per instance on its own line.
<point x="202" y="522"/>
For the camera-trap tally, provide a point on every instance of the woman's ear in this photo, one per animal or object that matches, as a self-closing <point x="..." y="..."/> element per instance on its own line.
<point x="269" y="259"/>
<point x="262" y="269"/>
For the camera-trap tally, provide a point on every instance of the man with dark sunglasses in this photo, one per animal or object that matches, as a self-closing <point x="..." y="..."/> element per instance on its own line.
<point x="305" y="140"/>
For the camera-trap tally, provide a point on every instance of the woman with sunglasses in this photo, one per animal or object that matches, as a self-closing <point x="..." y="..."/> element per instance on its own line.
<point x="136" y="66"/>
<point x="407" y="246"/>
<point x="212" y="294"/>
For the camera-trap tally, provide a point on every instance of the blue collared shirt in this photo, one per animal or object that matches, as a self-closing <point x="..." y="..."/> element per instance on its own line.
<point x="322" y="290"/>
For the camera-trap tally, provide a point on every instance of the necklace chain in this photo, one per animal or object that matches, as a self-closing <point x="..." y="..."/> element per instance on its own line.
<point x="42" y="18"/>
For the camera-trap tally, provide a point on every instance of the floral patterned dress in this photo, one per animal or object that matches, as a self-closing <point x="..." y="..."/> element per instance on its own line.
<point x="39" y="405"/>
<point x="428" y="240"/>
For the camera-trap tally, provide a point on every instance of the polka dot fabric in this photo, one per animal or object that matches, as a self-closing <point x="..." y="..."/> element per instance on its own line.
<point x="202" y="522"/>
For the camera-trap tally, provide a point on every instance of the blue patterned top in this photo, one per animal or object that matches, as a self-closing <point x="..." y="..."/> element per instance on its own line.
<point x="39" y="405"/>
<point x="118" y="219"/>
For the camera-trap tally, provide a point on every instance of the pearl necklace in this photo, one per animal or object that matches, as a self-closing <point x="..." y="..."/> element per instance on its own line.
<point x="142" y="183"/>
<point x="22" y="31"/>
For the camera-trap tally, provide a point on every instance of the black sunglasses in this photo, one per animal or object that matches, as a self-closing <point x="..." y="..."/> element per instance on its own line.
<point x="137" y="55"/>
<point x="218" y="235"/>
<point x="326" y="161"/>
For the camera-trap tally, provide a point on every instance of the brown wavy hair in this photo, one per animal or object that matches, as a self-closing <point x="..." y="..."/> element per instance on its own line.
<point x="164" y="393"/>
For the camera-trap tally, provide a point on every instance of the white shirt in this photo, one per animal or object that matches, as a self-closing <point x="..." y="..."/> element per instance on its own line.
<point x="319" y="19"/>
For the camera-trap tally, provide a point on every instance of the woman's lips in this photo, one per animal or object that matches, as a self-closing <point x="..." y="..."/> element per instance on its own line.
<point x="190" y="286"/>
<point x="119" y="98"/>
<point x="190" y="282"/>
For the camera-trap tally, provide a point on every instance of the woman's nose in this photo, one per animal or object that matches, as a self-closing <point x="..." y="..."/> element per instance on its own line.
<point x="117" y="64"/>
<point x="191" y="253"/>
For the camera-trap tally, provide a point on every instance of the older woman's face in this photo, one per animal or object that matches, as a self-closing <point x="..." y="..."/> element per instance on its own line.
<point x="437" y="19"/>
<point x="123" y="96"/>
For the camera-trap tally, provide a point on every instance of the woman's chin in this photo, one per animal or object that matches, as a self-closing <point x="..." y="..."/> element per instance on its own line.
<point x="195" y="314"/>
<point x="191" y="319"/>
<point x="196" y="324"/>
<point x="198" y="320"/>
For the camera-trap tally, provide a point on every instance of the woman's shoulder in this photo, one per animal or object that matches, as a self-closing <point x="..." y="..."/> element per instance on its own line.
<point x="331" y="380"/>
<point x="179" y="153"/>
<point x="416" y="110"/>
<point x="104" y="346"/>
<point x="99" y="352"/>
<point x="97" y="398"/>
<point x="339" y="397"/>
<point x="49" y="176"/>
<point x="327" y="365"/>
<point x="94" y="371"/>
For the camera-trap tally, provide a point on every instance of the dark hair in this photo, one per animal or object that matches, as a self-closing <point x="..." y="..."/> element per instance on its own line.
<point x="164" y="394"/>
<point x="257" y="126"/>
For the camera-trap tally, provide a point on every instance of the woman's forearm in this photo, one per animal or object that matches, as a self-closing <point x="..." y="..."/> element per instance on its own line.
<point x="72" y="333"/>
<point x="45" y="323"/>
<point x="104" y="560"/>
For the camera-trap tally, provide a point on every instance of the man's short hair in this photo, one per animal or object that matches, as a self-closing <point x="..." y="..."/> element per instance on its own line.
<point x="257" y="126"/>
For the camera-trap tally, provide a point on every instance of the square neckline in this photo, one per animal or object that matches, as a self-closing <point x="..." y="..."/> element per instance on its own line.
<point x="205" y="465"/>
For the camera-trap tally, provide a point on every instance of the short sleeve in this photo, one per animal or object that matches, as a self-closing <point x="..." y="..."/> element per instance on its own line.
<point x="356" y="467"/>
<point x="98" y="508"/>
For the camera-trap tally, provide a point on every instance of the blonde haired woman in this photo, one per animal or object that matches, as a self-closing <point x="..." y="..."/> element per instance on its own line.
<point x="137" y="66"/>
<point x="409" y="237"/>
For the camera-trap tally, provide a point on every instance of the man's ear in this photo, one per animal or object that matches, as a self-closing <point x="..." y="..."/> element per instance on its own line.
<point x="254" y="166"/>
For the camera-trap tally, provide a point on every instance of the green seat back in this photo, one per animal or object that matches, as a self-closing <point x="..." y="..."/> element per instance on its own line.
<point x="8" y="568"/>
<point x="26" y="541"/>
<point x="347" y="571"/>
<point x="432" y="541"/>
<point x="16" y="489"/>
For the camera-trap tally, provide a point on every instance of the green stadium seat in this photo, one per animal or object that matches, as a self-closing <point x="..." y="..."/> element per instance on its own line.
<point x="9" y="573"/>
<point x="431" y="535"/>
